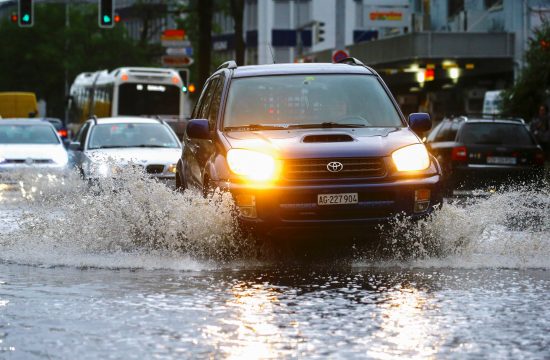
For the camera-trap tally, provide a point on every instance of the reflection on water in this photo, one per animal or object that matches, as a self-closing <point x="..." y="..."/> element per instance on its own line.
<point x="273" y="312"/>
<point x="405" y="327"/>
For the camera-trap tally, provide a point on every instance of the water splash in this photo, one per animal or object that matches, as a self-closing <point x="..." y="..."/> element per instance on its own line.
<point x="506" y="229"/>
<point x="133" y="218"/>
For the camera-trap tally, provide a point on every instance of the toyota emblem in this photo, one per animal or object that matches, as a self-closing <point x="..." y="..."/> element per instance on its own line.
<point x="335" y="166"/>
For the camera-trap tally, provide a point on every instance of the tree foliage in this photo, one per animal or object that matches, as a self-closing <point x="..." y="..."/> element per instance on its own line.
<point x="533" y="85"/>
<point x="36" y="59"/>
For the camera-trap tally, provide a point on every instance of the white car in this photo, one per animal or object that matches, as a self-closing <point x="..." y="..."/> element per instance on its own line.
<point x="30" y="144"/>
<point x="104" y="146"/>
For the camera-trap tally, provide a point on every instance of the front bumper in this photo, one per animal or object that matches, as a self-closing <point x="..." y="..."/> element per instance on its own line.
<point x="295" y="207"/>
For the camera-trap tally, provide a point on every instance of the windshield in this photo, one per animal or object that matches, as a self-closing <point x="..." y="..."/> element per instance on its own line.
<point x="148" y="99"/>
<point x="310" y="100"/>
<point x="131" y="135"/>
<point x="27" y="134"/>
<point x="495" y="134"/>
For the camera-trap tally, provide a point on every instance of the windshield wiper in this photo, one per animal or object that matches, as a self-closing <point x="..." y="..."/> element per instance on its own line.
<point x="327" y="124"/>
<point x="257" y="127"/>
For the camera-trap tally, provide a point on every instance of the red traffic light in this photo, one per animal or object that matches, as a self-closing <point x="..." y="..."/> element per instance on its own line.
<point x="13" y="18"/>
<point x="117" y="18"/>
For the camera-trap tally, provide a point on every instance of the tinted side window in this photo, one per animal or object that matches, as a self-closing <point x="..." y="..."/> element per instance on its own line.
<point x="81" y="137"/>
<point x="215" y="102"/>
<point x="447" y="132"/>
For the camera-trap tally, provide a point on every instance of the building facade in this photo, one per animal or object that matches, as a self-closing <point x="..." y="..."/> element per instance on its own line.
<point x="438" y="56"/>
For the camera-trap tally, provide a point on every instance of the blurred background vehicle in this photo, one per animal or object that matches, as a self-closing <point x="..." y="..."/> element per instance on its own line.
<point x="126" y="91"/>
<point x="18" y="105"/>
<point x="30" y="143"/>
<point x="103" y="147"/>
<point x="60" y="128"/>
<point x="477" y="153"/>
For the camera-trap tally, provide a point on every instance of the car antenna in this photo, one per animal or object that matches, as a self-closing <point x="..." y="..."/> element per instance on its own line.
<point x="271" y="51"/>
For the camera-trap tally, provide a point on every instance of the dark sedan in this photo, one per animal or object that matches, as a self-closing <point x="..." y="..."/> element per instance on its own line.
<point x="477" y="153"/>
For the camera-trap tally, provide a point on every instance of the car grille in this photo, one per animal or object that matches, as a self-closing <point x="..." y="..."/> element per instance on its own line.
<point x="155" y="169"/>
<point x="24" y="161"/>
<point x="316" y="169"/>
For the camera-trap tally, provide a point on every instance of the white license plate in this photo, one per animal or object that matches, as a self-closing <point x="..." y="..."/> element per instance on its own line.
<point x="337" y="199"/>
<point x="501" y="160"/>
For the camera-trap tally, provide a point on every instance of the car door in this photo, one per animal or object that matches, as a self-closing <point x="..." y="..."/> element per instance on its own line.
<point x="192" y="158"/>
<point x="207" y="148"/>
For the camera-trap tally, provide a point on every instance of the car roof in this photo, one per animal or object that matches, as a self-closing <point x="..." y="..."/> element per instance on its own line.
<point x="23" y="121"/>
<point x="468" y="120"/>
<point x="127" y="120"/>
<point x="302" y="68"/>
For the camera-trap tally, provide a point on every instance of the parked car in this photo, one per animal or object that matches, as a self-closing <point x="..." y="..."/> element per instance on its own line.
<point x="308" y="146"/>
<point x="476" y="153"/>
<point x="30" y="144"/>
<point x="103" y="147"/>
<point x="59" y="127"/>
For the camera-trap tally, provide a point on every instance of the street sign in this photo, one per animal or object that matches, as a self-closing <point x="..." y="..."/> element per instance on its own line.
<point x="176" y="61"/>
<point x="175" y="43"/>
<point x="173" y="34"/>
<point x="187" y="51"/>
<point x="338" y="55"/>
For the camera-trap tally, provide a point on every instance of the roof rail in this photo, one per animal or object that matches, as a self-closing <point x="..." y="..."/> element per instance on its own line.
<point x="350" y="61"/>
<point x="160" y="120"/>
<point x="231" y="64"/>
<point x="94" y="118"/>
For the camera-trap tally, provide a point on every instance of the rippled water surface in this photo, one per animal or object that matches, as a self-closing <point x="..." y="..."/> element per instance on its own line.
<point x="138" y="271"/>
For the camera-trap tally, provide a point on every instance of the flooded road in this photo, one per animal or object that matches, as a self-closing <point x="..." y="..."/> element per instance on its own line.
<point x="143" y="272"/>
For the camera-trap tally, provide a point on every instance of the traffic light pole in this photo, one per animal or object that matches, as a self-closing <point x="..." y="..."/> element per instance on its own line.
<point x="340" y="43"/>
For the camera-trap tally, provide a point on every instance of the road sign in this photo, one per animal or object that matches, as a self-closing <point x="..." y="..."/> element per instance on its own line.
<point x="175" y="43"/>
<point x="176" y="61"/>
<point x="173" y="34"/>
<point x="338" y="55"/>
<point x="187" y="51"/>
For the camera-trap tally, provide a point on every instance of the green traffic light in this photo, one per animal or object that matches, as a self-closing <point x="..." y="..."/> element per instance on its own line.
<point x="106" y="19"/>
<point x="184" y="88"/>
<point x="26" y="18"/>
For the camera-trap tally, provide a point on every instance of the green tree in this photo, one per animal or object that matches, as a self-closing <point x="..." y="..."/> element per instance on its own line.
<point x="533" y="85"/>
<point x="35" y="59"/>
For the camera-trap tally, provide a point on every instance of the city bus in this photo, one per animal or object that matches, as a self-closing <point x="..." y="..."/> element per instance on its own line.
<point x="132" y="91"/>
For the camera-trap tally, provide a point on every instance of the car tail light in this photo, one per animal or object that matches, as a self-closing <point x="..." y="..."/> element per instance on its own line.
<point x="539" y="158"/>
<point x="459" y="153"/>
<point x="62" y="133"/>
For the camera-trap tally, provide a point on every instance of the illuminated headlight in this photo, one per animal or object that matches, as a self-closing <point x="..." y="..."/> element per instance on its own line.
<point x="253" y="165"/>
<point x="172" y="168"/>
<point x="411" y="158"/>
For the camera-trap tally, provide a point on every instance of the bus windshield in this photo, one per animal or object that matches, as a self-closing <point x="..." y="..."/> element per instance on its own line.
<point x="148" y="99"/>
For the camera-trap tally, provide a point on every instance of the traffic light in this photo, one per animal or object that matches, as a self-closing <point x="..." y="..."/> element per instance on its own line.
<point x="184" y="75"/>
<point x="106" y="13"/>
<point x="319" y="32"/>
<point x="26" y="13"/>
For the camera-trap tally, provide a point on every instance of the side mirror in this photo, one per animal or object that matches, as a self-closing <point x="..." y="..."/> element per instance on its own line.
<point x="420" y="122"/>
<point x="198" y="129"/>
<point x="75" y="146"/>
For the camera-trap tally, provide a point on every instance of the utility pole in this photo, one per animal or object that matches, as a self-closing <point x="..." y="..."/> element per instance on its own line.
<point x="67" y="25"/>
<point x="340" y="25"/>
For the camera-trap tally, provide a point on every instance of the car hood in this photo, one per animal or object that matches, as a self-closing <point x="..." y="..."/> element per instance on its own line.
<point x="32" y="151"/>
<point x="290" y="143"/>
<point x="136" y="155"/>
